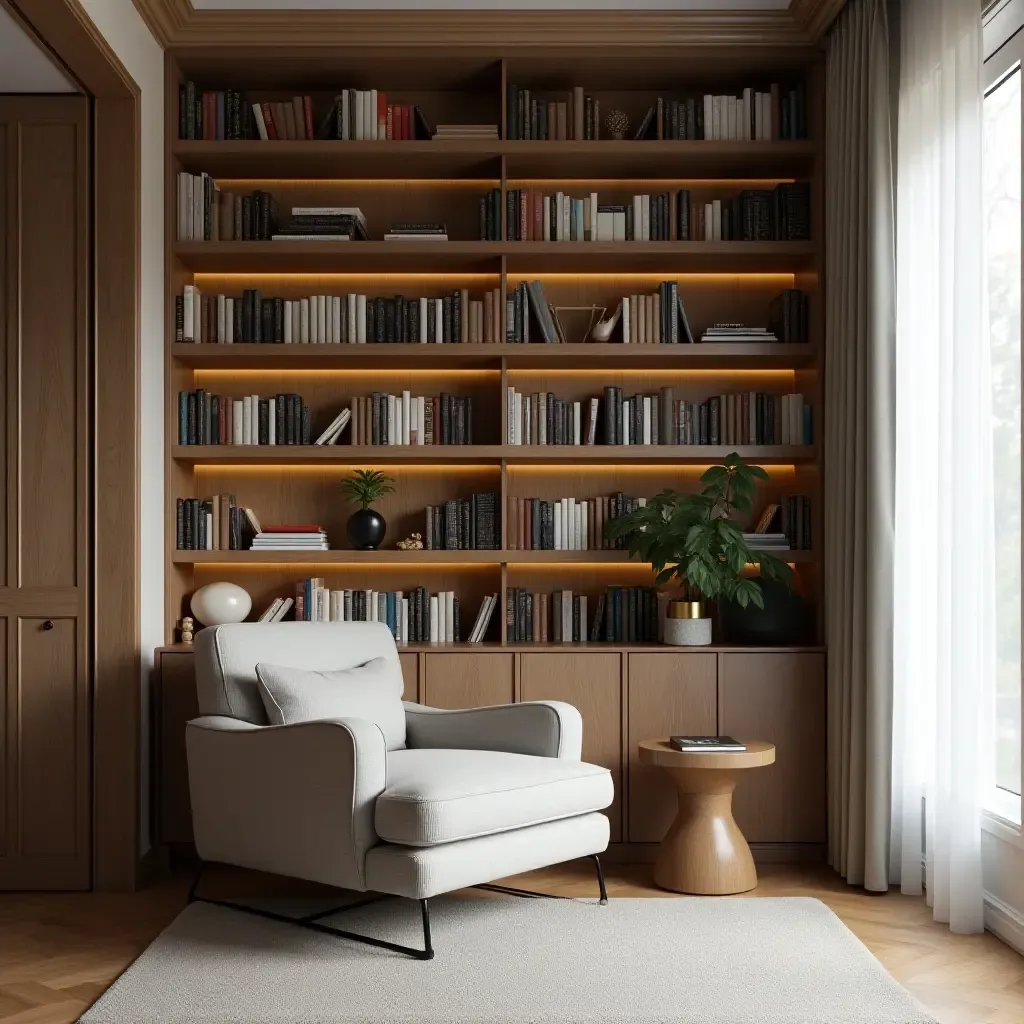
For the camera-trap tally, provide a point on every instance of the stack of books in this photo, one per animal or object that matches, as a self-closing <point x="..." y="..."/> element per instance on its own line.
<point x="291" y="538"/>
<point x="466" y="131"/>
<point x="417" y="232"/>
<point x="766" y="541"/>
<point x="289" y="120"/>
<point x="707" y="744"/>
<point x="483" y="619"/>
<point x="323" y="224"/>
<point x="737" y="332"/>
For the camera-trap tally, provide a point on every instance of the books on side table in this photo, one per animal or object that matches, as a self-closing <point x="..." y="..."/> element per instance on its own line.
<point x="707" y="744"/>
<point x="291" y="538"/>
<point x="323" y="224"/>
<point x="737" y="332"/>
<point x="417" y="232"/>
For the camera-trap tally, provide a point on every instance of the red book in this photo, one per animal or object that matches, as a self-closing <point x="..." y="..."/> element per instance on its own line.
<point x="382" y="115"/>
<point x="209" y="116"/>
<point x="302" y="528"/>
<point x="538" y="217"/>
<point x="268" y="121"/>
<point x="307" y="107"/>
<point x="391" y="125"/>
<point x="406" y="121"/>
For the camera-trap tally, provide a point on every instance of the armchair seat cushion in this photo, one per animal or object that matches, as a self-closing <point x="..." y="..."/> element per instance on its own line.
<point x="441" y="796"/>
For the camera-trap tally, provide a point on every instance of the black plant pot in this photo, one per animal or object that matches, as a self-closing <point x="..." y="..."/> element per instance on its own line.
<point x="366" y="529"/>
<point x="785" y="618"/>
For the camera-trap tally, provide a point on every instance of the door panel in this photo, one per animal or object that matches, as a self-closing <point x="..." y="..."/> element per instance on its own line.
<point x="592" y="684"/>
<point x="669" y="694"/>
<point x="410" y="676"/>
<point x="467" y="680"/>
<point x="44" y="492"/>
<point x="779" y="698"/>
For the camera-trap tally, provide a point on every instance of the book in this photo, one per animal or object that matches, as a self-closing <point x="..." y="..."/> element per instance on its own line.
<point x="706" y="744"/>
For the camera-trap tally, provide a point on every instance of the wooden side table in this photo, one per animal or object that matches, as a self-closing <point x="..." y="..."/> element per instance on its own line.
<point x="704" y="852"/>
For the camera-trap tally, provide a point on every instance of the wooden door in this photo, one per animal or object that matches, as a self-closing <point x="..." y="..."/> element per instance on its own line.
<point x="591" y="683"/>
<point x="467" y="680"/>
<point x="45" y="824"/>
<point x="779" y="698"/>
<point x="669" y="694"/>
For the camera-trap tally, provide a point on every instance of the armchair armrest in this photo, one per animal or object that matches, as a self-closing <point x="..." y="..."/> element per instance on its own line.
<point x="294" y="800"/>
<point x="542" y="728"/>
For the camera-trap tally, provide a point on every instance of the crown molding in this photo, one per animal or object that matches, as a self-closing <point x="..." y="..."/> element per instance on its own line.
<point x="177" y="24"/>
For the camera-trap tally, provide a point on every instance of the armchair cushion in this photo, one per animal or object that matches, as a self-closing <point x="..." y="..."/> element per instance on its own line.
<point x="440" y="796"/>
<point x="372" y="692"/>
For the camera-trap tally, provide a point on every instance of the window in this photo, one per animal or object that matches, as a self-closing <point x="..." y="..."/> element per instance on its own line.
<point x="1002" y="212"/>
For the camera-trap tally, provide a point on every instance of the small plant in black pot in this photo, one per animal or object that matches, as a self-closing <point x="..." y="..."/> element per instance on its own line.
<point x="366" y="527"/>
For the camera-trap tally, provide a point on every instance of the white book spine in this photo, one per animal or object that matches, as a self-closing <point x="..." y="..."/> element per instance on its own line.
<point x="438" y="321"/>
<point x="188" y="320"/>
<point x="360" y="110"/>
<point x="626" y="413"/>
<point x="303" y="321"/>
<point x="272" y="421"/>
<point x="361" y="319"/>
<point x="350" y="313"/>
<point x="647" y="419"/>
<point x="645" y="214"/>
<point x="584" y="525"/>
<point x="238" y="424"/>
<point x="404" y="632"/>
<point x="406" y="414"/>
<point x="434" y="619"/>
<point x="421" y="419"/>
<point x="423" y="321"/>
<point x="288" y="321"/>
<point x="593" y="216"/>
<point x="709" y="222"/>
<point x="336" y="319"/>
<point x="558" y="524"/>
<point x="321" y="318"/>
<point x="577" y="422"/>
<point x="449" y="616"/>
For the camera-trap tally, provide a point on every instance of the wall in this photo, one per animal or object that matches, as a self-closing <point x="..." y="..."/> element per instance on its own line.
<point x="1002" y="853"/>
<point x="123" y="28"/>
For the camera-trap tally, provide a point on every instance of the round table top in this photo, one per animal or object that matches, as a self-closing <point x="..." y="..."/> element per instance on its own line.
<point x="661" y="752"/>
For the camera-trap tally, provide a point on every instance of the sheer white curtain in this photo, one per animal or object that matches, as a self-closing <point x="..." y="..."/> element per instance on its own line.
<point x="943" y="640"/>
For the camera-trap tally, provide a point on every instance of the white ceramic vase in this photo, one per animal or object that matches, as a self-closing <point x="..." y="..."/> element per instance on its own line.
<point x="220" y="603"/>
<point x="687" y="632"/>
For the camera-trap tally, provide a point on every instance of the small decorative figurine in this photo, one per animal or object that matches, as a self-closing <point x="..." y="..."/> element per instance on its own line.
<point x="187" y="627"/>
<point x="617" y="124"/>
<point x="414" y="542"/>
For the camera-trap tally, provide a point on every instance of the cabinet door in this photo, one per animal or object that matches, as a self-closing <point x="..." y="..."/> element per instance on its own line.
<point x="779" y="698"/>
<point x="410" y="676"/>
<point x="45" y="756"/>
<point x="669" y="694"/>
<point x="591" y="683"/>
<point x="177" y="704"/>
<point x="467" y="680"/>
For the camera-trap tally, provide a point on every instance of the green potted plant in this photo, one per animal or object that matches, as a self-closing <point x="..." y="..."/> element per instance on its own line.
<point x="692" y="538"/>
<point x="366" y="526"/>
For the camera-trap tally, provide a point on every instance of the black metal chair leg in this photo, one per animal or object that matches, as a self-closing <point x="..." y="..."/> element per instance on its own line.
<point x="600" y="879"/>
<point x="428" y="949"/>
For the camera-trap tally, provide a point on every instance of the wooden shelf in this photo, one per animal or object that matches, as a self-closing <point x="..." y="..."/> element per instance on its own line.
<point x="481" y="159"/>
<point x="485" y="257"/>
<point x="349" y="455"/>
<point x="523" y="357"/>
<point x="344" y="557"/>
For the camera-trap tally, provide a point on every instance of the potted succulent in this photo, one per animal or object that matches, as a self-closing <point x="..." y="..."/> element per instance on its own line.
<point x="692" y="538"/>
<point x="366" y="527"/>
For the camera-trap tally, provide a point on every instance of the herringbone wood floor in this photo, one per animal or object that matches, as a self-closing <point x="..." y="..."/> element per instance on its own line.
<point x="59" y="952"/>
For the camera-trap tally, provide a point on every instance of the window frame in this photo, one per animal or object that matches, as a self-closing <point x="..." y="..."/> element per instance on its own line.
<point x="1003" y="41"/>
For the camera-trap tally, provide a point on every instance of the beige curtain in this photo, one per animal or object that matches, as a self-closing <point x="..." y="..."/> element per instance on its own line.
<point x="860" y="326"/>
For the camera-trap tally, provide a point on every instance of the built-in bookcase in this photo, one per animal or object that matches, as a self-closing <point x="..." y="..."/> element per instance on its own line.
<point x="442" y="181"/>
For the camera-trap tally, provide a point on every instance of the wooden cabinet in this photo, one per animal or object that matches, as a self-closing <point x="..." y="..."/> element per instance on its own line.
<point x="667" y="694"/>
<point x="176" y="704"/>
<point x="468" y="680"/>
<point x="45" y="755"/>
<point x="591" y="683"/>
<point x="779" y="697"/>
<point x="410" y="676"/>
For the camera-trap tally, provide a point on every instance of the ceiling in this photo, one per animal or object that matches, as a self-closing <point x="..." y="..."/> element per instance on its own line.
<point x="25" y="67"/>
<point x="511" y="25"/>
<point x="467" y="5"/>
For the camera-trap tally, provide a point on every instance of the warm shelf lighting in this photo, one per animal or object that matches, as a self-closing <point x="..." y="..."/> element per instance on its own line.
<point x="374" y="183"/>
<point x="211" y="375"/>
<point x="338" y="468"/>
<point x="634" y="183"/>
<point x="356" y="277"/>
<point x="780" y="376"/>
<point x="337" y="568"/>
<point x="781" y="279"/>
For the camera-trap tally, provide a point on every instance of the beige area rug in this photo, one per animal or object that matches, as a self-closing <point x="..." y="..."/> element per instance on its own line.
<point x="498" y="960"/>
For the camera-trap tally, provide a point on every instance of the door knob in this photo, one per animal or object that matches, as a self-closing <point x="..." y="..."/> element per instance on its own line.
<point x="48" y="624"/>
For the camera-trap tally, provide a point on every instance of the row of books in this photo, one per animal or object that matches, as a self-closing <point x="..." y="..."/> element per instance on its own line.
<point x="464" y="524"/>
<point x="291" y="538"/>
<point x="490" y="216"/>
<point x="615" y="418"/>
<point x="658" y="319"/>
<point x="407" y="419"/>
<point x="205" y="418"/>
<point x="755" y="116"/>
<point x="782" y="214"/>
<point x="205" y="214"/>
<point x="791" y="517"/>
<point x="366" y="115"/>
<point x="352" y="319"/>
<point x="212" y="115"/>
<point x="414" y="616"/>
<point x="620" y="615"/>
<point x="530" y="116"/>
<point x="565" y="524"/>
<point x="732" y="333"/>
<point x="322" y="224"/>
<point x="217" y="523"/>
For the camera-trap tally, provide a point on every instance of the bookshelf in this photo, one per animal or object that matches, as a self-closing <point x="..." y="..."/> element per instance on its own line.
<point x="624" y="690"/>
<point x="442" y="181"/>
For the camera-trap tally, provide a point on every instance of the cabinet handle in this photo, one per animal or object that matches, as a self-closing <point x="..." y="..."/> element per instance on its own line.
<point x="48" y="624"/>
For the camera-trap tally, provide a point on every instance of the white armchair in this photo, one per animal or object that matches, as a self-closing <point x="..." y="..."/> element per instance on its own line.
<point x="462" y="798"/>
